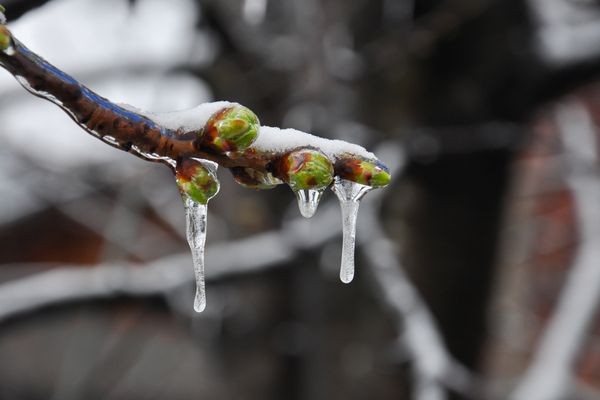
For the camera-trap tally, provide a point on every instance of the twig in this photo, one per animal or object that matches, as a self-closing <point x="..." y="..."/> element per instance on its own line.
<point x="549" y="377"/>
<point x="220" y="136"/>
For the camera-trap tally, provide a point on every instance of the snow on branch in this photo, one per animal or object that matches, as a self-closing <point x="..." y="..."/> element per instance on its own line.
<point x="78" y="283"/>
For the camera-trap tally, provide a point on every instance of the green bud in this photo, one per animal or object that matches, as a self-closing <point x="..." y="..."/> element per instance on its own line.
<point x="368" y="173"/>
<point x="233" y="128"/>
<point x="5" y="38"/>
<point x="196" y="180"/>
<point x="307" y="169"/>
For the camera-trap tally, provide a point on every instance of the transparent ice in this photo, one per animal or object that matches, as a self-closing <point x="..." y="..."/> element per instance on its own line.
<point x="195" y="223"/>
<point x="308" y="201"/>
<point x="349" y="193"/>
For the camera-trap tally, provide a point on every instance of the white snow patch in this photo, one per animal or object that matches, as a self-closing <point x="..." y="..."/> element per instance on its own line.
<point x="270" y="139"/>
<point x="188" y="120"/>
<point x="276" y="140"/>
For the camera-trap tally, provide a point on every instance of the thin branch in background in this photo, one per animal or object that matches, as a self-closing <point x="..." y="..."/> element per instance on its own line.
<point x="78" y="197"/>
<point x="434" y="368"/>
<point x="550" y="375"/>
<point x="77" y="283"/>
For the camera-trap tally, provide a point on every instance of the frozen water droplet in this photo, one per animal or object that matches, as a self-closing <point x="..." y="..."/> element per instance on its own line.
<point x="195" y="215"/>
<point x="349" y="194"/>
<point x="308" y="201"/>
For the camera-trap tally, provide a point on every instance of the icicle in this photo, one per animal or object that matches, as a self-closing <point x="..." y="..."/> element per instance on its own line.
<point x="349" y="193"/>
<point x="197" y="183"/>
<point x="195" y="214"/>
<point x="308" y="201"/>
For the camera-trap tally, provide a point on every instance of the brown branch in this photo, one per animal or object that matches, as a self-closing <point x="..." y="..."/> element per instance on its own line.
<point x="139" y="134"/>
<point x="98" y="115"/>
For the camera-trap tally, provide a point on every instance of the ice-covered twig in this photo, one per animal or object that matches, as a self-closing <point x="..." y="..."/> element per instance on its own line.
<point x="549" y="377"/>
<point x="222" y="132"/>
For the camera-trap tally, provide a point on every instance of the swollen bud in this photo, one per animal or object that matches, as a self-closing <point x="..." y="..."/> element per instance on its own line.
<point x="369" y="173"/>
<point x="196" y="180"/>
<point x="5" y="39"/>
<point x="230" y="129"/>
<point x="307" y="169"/>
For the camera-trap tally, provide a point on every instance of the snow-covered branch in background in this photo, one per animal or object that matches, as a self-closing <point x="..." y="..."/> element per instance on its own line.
<point x="550" y="375"/>
<point x="567" y="31"/>
<point x="194" y="142"/>
<point x="434" y="369"/>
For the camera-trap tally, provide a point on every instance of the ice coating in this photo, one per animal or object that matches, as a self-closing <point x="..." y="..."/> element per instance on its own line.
<point x="197" y="179"/>
<point x="195" y="218"/>
<point x="275" y="140"/>
<point x="349" y="194"/>
<point x="253" y="179"/>
<point x="308" y="201"/>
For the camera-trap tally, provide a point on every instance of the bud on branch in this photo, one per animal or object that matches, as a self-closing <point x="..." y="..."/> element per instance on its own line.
<point x="229" y="136"/>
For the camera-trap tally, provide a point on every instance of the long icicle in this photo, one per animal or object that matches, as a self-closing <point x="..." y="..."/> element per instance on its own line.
<point x="198" y="183"/>
<point x="196" y="218"/>
<point x="349" y="194"/>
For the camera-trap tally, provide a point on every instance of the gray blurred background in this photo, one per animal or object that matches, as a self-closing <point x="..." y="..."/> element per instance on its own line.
<point x="477" y="268"/>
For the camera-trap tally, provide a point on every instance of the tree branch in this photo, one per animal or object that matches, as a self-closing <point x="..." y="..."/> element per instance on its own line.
<point x="224" y="133"/>
<point x="551" y="371"/>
